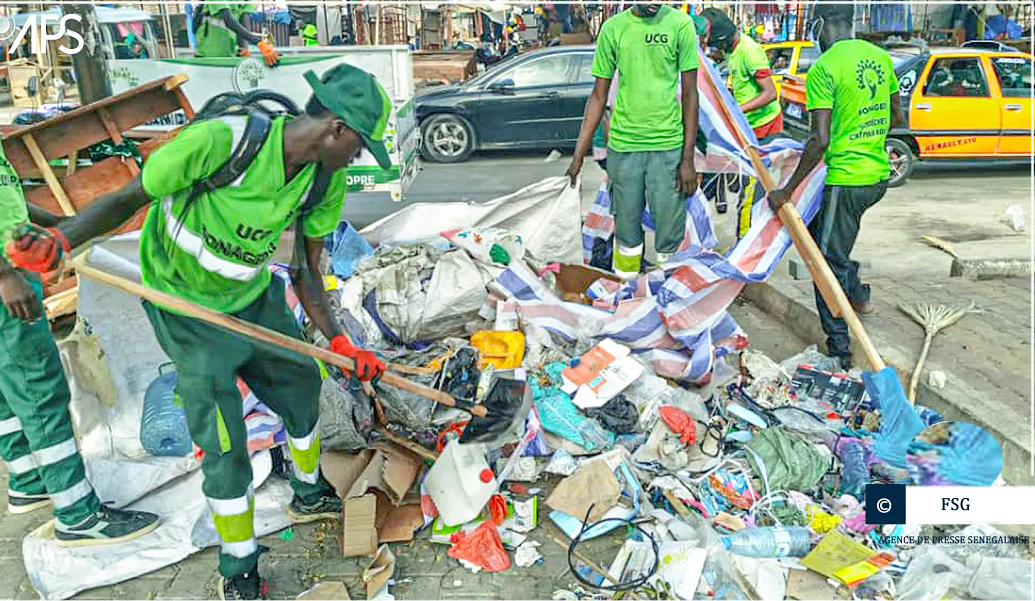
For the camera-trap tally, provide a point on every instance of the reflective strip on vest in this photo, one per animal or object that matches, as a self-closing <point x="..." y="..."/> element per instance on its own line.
<point x="71" y="495"/>
<point x="21" y="465"/>
<point x="10" y="426"/>
<point x="193" y="245"/>
<point x="55" y="453"/>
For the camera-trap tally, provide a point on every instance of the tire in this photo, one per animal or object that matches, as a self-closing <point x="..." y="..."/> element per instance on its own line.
<point x="901" y="159"/>
<point x="447" y="138"/>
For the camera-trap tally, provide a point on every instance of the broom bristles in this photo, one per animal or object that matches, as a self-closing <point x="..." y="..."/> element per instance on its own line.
<point x="935" y="318"/>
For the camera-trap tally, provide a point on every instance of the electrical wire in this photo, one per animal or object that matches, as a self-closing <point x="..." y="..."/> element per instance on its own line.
<point x="624" y="586"/>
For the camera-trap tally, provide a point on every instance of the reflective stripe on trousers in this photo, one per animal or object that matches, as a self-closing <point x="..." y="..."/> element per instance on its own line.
<point x="305" y="455"/>
<point x="234" y="521"/>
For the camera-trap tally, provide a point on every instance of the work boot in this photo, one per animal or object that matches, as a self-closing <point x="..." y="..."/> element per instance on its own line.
<point x="862" y="307"/>
<point x="327" y="506"/>
<point x="24" y="503"/>
<point x="242" y="586"/>
<point x="107" y="526"/>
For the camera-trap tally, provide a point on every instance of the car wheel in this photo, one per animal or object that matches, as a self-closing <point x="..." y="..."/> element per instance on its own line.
<point x="447" y="138"/>
<point x="901" y="160"/>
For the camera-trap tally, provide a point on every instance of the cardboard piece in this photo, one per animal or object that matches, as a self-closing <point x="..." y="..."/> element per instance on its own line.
<point x="380" y="571"/>
<point x="573" y="280"/>
<point x="601" y="373"/>
<point x="374" y="484"/>
<point x="594" y="484"/>
<point x="731" y="522"/>
<point x="328" y="590"/>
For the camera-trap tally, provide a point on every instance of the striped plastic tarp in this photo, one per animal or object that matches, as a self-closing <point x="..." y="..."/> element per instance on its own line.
<point x="675" y="317"/>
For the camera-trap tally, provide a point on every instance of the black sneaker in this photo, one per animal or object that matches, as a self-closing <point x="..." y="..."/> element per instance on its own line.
<point x="326" y="507"/>
<point x="107" y="526"/>
<point x="244" y="586"/>
<point x="24" y="503"/>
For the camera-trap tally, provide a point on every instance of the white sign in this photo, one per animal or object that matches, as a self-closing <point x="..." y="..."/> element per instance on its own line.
<point x="38" y="43"/>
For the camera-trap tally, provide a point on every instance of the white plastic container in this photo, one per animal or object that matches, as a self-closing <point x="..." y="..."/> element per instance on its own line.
<point x="461" y="482"/>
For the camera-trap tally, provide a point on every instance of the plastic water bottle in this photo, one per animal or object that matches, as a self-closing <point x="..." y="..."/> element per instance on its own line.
<point x="163" y="424"/>
<point x="855" y="474"/>
<point x="774" y="541"/>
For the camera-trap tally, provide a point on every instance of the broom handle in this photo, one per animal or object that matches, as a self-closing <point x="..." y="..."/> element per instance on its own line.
<point x="260" y="333"/>
<point x="914" y="380"/>
<point x="826" y="282"/>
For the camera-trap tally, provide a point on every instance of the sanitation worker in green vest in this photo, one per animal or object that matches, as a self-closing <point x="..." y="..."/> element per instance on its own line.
<point x="219" y="33"/>
<point x="214" y="252"/>
<point x="36" y="439"/>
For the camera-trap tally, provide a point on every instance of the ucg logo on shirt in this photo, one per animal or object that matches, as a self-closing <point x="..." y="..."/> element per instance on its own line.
<point x="655" y="39"/>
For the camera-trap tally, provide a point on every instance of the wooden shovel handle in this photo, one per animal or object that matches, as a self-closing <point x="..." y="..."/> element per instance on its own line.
<point x="257" y="332"/>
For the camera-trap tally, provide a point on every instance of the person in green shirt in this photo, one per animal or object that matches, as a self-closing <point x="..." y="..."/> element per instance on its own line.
<point x="310" y="36"/>
<point x="37" y="442"/>
<point x="852" y="98"/>
<point x="212" y="247"/>
<point x="652" y="133"/>
<point x="218" y="32"/>
<point x="750" y="75"/>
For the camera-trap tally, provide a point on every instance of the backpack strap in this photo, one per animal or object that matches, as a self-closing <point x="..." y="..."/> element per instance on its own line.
<point x="255" y="131"/>
<point x="321" y="181"/>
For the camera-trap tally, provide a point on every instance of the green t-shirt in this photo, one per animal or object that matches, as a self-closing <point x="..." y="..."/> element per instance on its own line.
<point x="649" y="54"/>
<point x="13" y="211"/>
<point x="218" y="256"/>
<point x="747" y="59"/>
<point x="855" y="80"/>
<point x="213" y="38"/>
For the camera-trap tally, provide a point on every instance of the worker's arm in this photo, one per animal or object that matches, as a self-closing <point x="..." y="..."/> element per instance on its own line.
<point x="105" y="214"/>
<point x="819" y="139"/>
<point x="308" y="284"/>
<point x="41" y="217"/>
<point x="765" y="96"/>
<point x="687" y="171"/>
<point x="898" y="117"/>
<point x="590" y="121"/>
<point x="243" y="35"/>
<point x="16" y="294"/>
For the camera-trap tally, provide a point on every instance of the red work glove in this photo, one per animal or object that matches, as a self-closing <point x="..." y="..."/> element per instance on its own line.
<point x="268" y="53"/>
<point x="244" y="51"/>
<point x="368" y="366"/>
<point x="37" y="249"/>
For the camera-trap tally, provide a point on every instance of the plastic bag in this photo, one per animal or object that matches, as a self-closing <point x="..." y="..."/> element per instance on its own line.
<point x="347" y="248"/>
<point x="999" y="578"/>
<point x="809" y="356"/>
<point x="482" y="547"/>
<point x="617" y="415"/>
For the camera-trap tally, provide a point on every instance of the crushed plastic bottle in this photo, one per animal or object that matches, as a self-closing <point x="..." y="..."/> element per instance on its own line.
<point x="855" y="474"/>
<point x="163" y="422"/>
<point x="774" y="541"/>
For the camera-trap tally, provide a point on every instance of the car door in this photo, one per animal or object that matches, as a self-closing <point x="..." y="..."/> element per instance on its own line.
<point x="518" y="106"/>
<point x="1012" y="74"/>
<point x="574" y="96"/>
<point x="953" y="113"/>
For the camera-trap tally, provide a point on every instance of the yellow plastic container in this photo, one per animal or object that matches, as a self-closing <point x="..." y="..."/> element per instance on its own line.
<point x="502" y="350"/>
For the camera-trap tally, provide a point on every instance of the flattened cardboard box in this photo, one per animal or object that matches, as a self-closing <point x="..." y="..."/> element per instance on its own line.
<point x="373" y="485"/>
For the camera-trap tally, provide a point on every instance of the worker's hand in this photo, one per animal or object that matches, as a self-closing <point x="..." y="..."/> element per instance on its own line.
<point x="268" y="53"/>
<point x="244" y="51"/>
<point x="37" y="249"/>
<point x="573" y="170"/>
<point x="18" y="296"/>
<point x="368" y="366"/>
<point x="687" y="180"/>
<point x="778" y="198"/>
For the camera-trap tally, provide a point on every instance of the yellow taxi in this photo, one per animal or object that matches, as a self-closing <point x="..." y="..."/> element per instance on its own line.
<point x="964" y="105"/>
<point x="790" y="58"/>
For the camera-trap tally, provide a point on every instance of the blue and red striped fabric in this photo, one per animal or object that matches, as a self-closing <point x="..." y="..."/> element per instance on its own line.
<point x="675" y="317"/>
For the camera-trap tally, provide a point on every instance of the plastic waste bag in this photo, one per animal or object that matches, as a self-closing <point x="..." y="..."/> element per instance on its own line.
<point x="787" y="460"/>
<point x="483" y="548"/>
<point x="347" y="248"/>
<point x="899" y="424"/>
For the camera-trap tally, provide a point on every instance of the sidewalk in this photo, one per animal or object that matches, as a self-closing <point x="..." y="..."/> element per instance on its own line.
<point x="986" y="356"/>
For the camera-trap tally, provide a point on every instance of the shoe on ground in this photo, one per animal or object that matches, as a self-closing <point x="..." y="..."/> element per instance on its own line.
<point x="23" y="503"/>
<point x="244" y="586"/>
<point x="862" y="307"/>
<point x="106" y="527"/>
<point x="327" y="507"/>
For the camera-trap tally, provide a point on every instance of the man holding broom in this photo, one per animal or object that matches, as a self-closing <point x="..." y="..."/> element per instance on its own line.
<point x="852" y="97"/>
<point x="212" y="248"/>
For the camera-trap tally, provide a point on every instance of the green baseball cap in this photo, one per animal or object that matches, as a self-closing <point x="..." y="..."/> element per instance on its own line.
<point x="355" y="96"/>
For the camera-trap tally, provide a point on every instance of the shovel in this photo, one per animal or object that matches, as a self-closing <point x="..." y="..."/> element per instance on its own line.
<point x="883" y="382"/>
<point x="261" y="334"/>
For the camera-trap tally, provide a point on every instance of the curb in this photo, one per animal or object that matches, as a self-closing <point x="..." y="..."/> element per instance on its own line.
<point x="957" y="401"/>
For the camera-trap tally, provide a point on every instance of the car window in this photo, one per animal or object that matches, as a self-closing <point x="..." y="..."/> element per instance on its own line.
<point x="809" y="55"/>
<point x="1014" y="73"/>
<point x="780" y="59"/>
<point x="951" y="76"/>
<point x="547" y="71"/>
<point x="585" y="69"/>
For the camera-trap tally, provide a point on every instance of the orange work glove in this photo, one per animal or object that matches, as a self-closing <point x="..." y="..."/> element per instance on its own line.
<point x="244" y="51"/>
<point x="36" y="249"/>
<point x="268" y="53"/>
<point x="368" y="366"/>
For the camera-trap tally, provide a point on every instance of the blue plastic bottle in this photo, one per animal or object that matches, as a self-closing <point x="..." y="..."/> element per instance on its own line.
<point x="855" y="474"/>
<point x="163" y="423"/>
<point x="771" y="541"/>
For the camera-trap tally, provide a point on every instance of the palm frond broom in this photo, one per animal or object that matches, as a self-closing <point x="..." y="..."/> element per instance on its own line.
<point x="934" y="319"/>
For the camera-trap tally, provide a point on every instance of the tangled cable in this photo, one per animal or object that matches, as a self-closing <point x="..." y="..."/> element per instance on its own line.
<point x="624" y="586"/>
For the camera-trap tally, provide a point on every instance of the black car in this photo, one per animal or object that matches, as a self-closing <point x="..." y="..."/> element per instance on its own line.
<point x="532" y="100"/>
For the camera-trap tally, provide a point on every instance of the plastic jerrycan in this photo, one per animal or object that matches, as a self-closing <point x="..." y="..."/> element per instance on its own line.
<point x="460" y="482"/>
